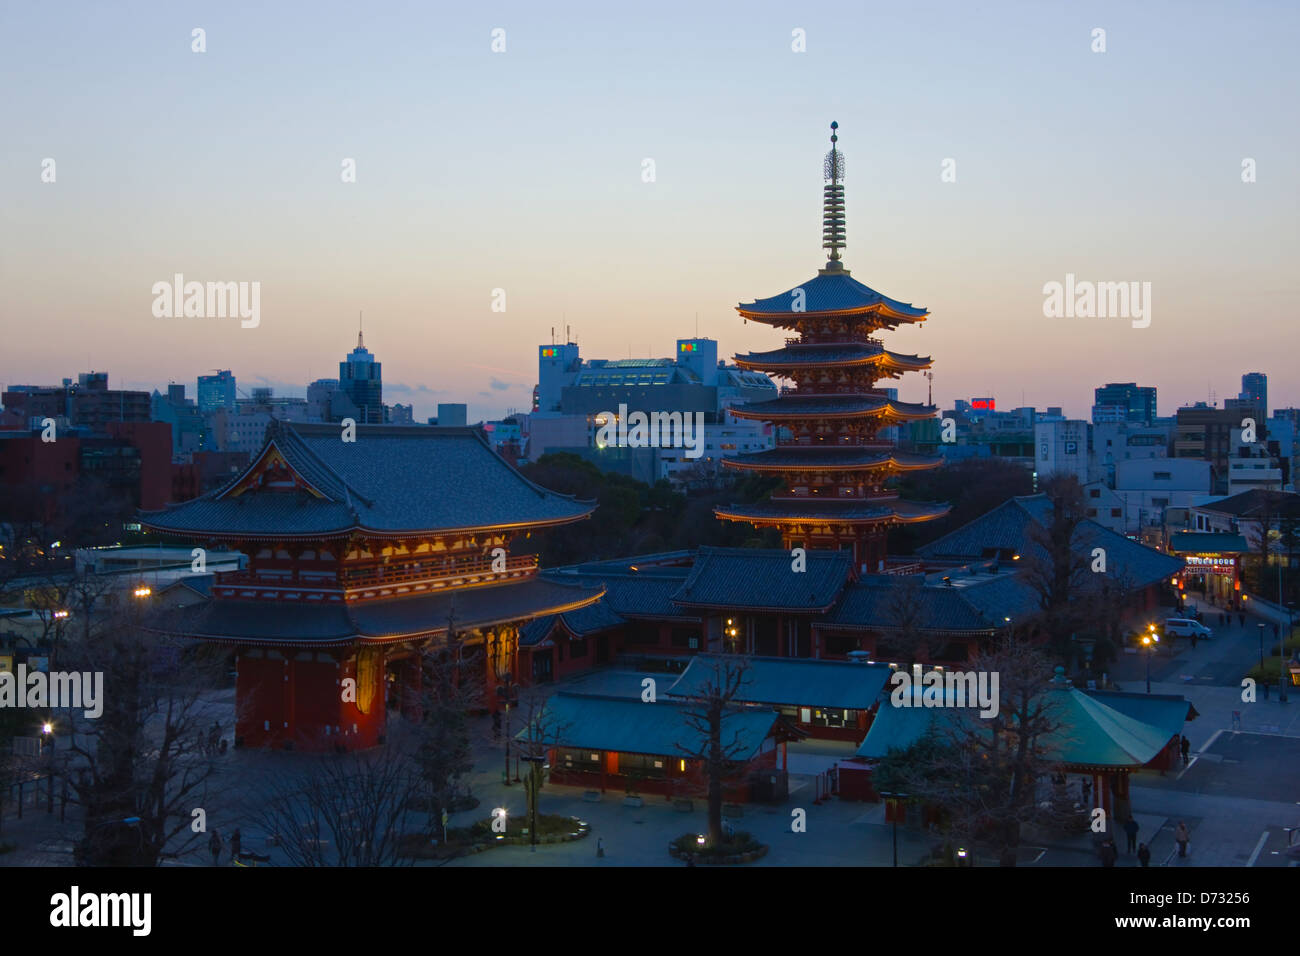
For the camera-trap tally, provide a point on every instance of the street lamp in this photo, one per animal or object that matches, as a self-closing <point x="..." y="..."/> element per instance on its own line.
<point x="895" y="797"/>
<point x="1150" y="640"/>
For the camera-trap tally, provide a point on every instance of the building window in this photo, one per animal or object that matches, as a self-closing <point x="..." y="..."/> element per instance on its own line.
<point x="1115" y="512"/>
<point x="1162" y="476"/>
<point x="1094" y="492"/>
<point x="1092" y="512"/>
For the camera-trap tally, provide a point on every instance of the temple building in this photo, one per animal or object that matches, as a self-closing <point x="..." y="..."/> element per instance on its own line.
<point x="362" y="556"/>
<point x="835" y="463"/>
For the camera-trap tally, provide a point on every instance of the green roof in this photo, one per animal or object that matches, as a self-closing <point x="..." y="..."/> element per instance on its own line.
<point x="632" y="726"/>
<point x="1095" y="729"/>
<point x="783" y="681"/>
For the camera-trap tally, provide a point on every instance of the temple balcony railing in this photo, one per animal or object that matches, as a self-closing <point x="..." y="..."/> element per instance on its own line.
<point x="395" y="579"/>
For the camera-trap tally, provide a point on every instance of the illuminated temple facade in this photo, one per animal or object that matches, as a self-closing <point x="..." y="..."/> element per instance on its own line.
<point x="836" y="467"/>
<point x="362" y="557"/>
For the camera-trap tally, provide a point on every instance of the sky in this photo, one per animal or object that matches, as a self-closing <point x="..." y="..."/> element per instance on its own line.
<point x="525" y="171"/>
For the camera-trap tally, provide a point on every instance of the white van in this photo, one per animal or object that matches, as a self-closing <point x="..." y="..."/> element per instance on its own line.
<point x="1186" y="627"/>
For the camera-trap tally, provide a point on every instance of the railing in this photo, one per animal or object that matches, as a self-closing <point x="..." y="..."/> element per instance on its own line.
<point x="378" y="580"/>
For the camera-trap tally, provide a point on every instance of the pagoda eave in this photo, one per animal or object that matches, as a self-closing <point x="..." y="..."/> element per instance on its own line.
<point x="359" y="531"/>
<point x="888" y="464"/>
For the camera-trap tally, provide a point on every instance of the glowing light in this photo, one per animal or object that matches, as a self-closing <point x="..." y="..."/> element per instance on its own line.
<point x="142" y="592"/>
<point x="47" y="728"/>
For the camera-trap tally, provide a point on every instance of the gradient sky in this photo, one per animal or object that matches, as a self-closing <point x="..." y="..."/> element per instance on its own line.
<point x="522" y="171"/>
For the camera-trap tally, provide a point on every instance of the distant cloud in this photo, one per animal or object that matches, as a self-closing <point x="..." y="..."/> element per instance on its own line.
<point x="401" y="388"/>
<point x="501" y="386"/>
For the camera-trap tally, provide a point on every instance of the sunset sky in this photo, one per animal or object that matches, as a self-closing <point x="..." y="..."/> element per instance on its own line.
<point x="522" y="171"/>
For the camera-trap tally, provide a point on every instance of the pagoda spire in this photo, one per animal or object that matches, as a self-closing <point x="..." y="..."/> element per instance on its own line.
<point x="833" y="204"/>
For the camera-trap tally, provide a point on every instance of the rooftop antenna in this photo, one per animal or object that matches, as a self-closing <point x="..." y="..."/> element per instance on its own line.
<point x="360" y="343"/>
<point x="833" y="204"/>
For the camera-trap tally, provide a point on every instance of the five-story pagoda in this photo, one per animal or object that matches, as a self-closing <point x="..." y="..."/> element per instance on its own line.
<point x="836" y="467"/>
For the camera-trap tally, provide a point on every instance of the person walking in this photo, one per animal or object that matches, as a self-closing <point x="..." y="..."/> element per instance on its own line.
<point x="1144" y="855"/>
<point x="1131" y="831"/>
<point x="214" y="846"/>
<point x="1184" y="747"/>
<point x="1242" y="617"/>
<point x="1109" y="854"/>
<point x="235" y="842"/>
<point x="1182" y="838"/>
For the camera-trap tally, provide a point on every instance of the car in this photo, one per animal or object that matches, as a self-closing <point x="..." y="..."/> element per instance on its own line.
<point x="1186" y="627"/>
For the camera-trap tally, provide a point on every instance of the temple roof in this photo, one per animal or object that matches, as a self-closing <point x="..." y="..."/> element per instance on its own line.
<point x="784" y="681"/>
<point x="392" y="480"/>
<point x="1207" y="542"/>
<point x="336" y="625"/>
<point x="796" y="406"/>
<point x="1094" y="729"/>
<point x="835" y="511"/>
<point x="830" y="356"/>
<point x="580" y="623"/>
<point x="831" y="458"/>
<point x="873" y="603"/>
<point x="662" y="728"/>
<point x="633" y="594"/>
<point x="830" y="292"/>
<point x="1009" y="529"/>
<point x="765" y="579"/>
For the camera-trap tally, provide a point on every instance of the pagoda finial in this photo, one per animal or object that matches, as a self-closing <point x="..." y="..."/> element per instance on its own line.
<point x="833" y="203"/>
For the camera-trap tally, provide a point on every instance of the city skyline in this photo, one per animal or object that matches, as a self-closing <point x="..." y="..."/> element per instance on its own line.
<point x="1067" y="162"/>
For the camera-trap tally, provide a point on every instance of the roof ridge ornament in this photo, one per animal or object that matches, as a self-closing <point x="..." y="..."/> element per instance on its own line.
<point x="833" y="205"/>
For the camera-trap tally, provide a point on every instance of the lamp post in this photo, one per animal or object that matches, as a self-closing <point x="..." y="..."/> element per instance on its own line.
<point x="1281" y="647"/>
<point x="1150" y="640"/>
<point x="894" y="797"/>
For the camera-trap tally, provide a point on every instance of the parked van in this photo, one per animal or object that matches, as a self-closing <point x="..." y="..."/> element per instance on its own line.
<point x="1186" y="627"/>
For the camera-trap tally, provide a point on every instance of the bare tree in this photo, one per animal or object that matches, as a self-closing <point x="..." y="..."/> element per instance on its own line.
<point x="984" y="773"/>
<point x="709" y="709"/>
<point x="343" y="809"/>
<point x="907" y="616"/>
<point x="1056" y="566"/>
<point x="444" y="753"/>
<point x="543" y="730"/>
<point x="137" y="768"/>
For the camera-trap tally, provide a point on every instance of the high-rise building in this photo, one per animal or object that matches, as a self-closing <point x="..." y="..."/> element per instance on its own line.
<point x="361" y="380"/>
<point x="830" y="453"/>
<point x="1254" y="388"/>
<point x="1138" y="403"/>
<point x="216" y="391"/>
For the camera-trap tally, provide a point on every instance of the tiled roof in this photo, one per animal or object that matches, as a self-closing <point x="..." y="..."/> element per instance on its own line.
<point x="831" y="509"/>
<point x="1007" y="529"/>
<point x="631" y="594"/>
<point x="392" y="479"/>
<point x="1254" y="503"/>
<point x="1092" y="731"/>
<point x="833" y="354"/>
<point x="830" y="406"/>
<point x="763" y="578"/>
<point x="789" y="682"/>
<point x="873" y="603"/>
<point x="833" y="457"/>
<point x="267" y="622"/>
<point x="581" y="622"/>
<point x="633" y="726"/>
<point x="831" y="292"/>
<point x="1207" y="542"/>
